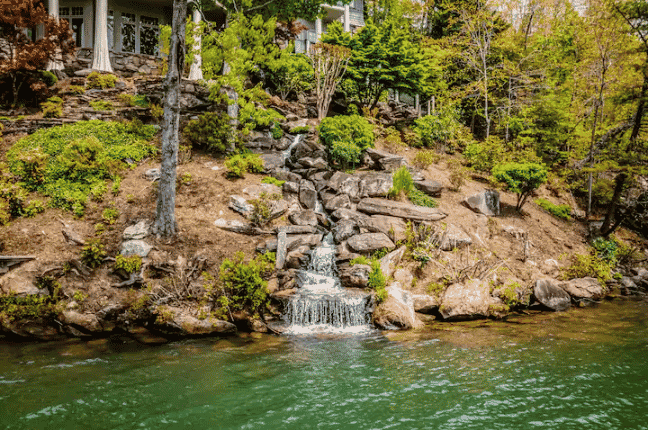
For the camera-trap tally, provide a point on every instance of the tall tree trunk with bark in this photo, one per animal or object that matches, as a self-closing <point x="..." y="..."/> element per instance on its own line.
<point x="165" y="221"/>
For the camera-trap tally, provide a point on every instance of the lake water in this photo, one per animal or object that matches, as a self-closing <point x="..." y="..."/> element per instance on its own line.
<point x="583" y="369"/>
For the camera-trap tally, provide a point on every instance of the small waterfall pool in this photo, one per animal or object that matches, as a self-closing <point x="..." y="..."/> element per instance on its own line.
<point x="321" y="305"/>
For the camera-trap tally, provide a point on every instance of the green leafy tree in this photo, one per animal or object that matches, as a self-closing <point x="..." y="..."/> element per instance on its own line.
<point x="521" y="178"/>
<point x="382" y="58"/>
<point x="290" y="73"/>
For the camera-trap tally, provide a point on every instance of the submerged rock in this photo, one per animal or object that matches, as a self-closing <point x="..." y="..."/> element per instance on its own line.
<point x="397" y="312"/>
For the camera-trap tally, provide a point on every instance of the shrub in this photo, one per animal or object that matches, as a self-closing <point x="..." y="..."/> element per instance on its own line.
<point x="484" y="155"/>
<point x="392" y="140"/>
<point x="437" y="131"/>
<point x="606" y="249"/>
<point x="53" y="107"/>
<point x="100" y="81"/>
<point x="272" y="180"/>
<point x="458" y="174"/>
<point x="99" y="105"/>
<point x="130" y="264"/>
<point x="127" y="99"/>
<point x="245" y="284"/>
<point x="110" y="215"/>
<point x="240" y="164"/>
<point x="346" y="137"/>
<point x="33" y="208"/>
<point x="521" y="178"/>
<point x="584" y="265"/>
<point x="377" y="281"/>
<point x="156" y="111"/>
<point x="300" y="130"/>
<point x="276" y="131"/>
<point x="33" y="306"/>
<point x="49" y="78"/>
<point x="425" y="158"/>
<point x="559" y="211"/>
<point x="419" y="198"/>
<point x="116" y="185"/>
<point x="14" y="196"/>
<point x="69" y="161"/>
<point x="93" y="253"/>
<point x="76" y="89"/>
<point x="402" y="182"/>
<point x="211" y="131"/>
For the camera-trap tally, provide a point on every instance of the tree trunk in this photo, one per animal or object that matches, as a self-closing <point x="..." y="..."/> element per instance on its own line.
<point x="101" y="57"/>
<point x="165" y="222"/>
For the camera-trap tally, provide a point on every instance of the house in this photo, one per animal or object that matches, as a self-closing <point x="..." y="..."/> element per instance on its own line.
<point x="116" y="35"/>
<point x="123" y="35"/>
<point x="351" y="16"/>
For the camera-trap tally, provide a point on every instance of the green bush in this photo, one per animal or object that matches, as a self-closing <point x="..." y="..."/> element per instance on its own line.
<point x="300" y="130"/>
<point x="33" y="208"/>
<point x="31" y="307"/>
<point x="521" y="178"/>
<point x="377" y="281"/>
<point x="290" y="73"/>
<point x="49" y="78"/>
<point x="431" y="130"/>
<point x="483" y="156"/>
<point x="419" y="198"/>
<point x="99" y="105"/>
<point x="346" y="137"/>
<point x="276" y="131"/>
<point x="110" y="215"/>
<point x="240" y="164"/>
<point x="606" y="249"/>
<point x="127" y="99"/>
<point x="424" y="159"/>
<point x="69" y="161"/>
<point x="14" y="196"/>
<point x="52" y="108"/>
<point x="101" y="81"/>
<point x="245" y="284"/>
<point x="583" y="265"/>
<point x="458" y="174"/>
<point x="211" y="131"/>
<point x="76" y="89"/>
<point x="559" y="211"/>
<point x="402" y="182"/>
<point x="93" y="253"/>
<point x="272" y="180"/>
<point x="130" y="264"/>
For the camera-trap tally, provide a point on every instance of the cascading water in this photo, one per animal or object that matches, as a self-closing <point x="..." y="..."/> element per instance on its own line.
<point x="287" y="152"/>
<point x="321" y="305"/>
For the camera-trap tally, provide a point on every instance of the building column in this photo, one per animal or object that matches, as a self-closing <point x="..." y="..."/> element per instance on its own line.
<point x="347" y="18"/>
<point x="318" y="28"/>
<point x="195" y="71"/>
<point x="57" y="63"/>
<point x="101" y="57"/>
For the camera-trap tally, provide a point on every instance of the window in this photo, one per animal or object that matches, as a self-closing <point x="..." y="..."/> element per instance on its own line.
<point x="74" y="17"/>
<point x="149" y="34"/>
<point x="128" y="32"/>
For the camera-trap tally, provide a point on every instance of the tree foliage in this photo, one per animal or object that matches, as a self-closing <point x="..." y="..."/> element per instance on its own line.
<point x="20" y="57"/>
<point x="521" y="178"/>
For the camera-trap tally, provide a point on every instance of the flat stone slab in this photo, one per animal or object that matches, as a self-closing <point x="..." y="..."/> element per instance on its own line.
<point x="400" y="210"/>
<point x="368" y="242"/>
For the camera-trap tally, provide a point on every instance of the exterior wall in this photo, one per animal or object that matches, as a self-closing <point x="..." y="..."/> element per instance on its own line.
<point x="125" y="64"/>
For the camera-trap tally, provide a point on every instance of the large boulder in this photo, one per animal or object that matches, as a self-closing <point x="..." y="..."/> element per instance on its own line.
<point x="307" y="194"/>
<point x="400" y="209"/>
<point x="389" y="262"/>
<point x="240" y="204"/>
<point x="549" y="294"/>
<point x="189" y="325"/>
<point x="135" y="247"/>
<point x="306" y="218"/>
<point x="397" y="312"/>
<point x="344" y="229"/>
<point x="425" y="304"/>
<point x="584" y="288"/>
<point x="393" y="227"/>
<point x="375" y="185"/>
<point x="431" y="188"/>
<point x="138" y="231"/>
<point x="454" y="237"/>
<point x="79" y="324"/>
<point x="487" y="202"/>
<point x="21" y="281"/>
<point x="469" y="300"/>
<point x="369" y="242"/>
<point x="356" y="276"/>
<point x="341" y="201"/>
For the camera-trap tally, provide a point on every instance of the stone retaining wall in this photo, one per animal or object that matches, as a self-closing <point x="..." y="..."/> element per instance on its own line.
<point x="124" y="64"/>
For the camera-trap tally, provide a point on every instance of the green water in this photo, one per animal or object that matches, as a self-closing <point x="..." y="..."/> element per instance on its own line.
<point x="584" y="369"/>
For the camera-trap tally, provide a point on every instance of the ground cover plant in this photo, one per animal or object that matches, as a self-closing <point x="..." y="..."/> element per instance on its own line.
<point x="68" y="162"/>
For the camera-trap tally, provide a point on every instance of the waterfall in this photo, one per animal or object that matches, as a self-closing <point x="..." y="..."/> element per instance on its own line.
<point x="286" y="153"/>
<point x="321" y="305"/>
